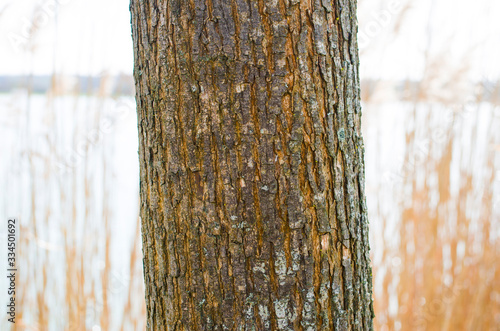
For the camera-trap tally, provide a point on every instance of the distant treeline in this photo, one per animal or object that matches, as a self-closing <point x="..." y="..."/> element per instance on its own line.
<point x="114" y="85"/>
<point x="124" y="85"/>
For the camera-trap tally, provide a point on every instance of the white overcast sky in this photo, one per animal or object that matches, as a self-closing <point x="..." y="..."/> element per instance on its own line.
<point x="81" y="37"/>
<point x="92" y="36"/>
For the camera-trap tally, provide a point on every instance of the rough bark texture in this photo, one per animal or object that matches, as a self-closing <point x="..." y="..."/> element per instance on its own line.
<point x="252" y="178"/>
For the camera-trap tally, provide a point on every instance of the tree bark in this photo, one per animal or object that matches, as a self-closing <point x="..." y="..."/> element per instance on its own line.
<point x="251" y="162"/>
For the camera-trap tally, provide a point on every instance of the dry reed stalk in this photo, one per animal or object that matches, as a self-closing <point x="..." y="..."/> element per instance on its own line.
<point x="448" y="278"/>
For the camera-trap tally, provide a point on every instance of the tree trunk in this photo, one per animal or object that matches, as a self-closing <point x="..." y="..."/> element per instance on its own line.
<point x="252" y="177"/>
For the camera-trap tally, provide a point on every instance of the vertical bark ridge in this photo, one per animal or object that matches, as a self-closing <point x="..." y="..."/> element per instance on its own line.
<point x="252" y="178"/>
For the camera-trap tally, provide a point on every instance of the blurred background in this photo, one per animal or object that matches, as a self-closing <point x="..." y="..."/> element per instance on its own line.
<point x="69" y="163"/>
